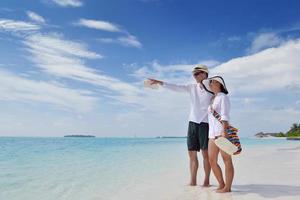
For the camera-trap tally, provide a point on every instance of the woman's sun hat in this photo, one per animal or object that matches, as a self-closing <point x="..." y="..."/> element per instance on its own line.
<point x="200" y="67"/>
<point x="206" y="82"/>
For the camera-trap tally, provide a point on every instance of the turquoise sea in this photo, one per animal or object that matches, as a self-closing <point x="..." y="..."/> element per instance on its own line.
<point x="89" y="168"/>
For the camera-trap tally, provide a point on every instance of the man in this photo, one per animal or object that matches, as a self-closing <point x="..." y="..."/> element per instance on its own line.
<point x="197" y="137"/>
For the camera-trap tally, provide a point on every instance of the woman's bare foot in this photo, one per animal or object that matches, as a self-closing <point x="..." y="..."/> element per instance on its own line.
<point x="224" y="190"/>
<point x="221" y="187"/>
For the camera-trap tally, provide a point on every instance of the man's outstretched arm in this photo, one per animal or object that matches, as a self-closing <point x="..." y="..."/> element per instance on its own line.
<point x="174" y="87"/>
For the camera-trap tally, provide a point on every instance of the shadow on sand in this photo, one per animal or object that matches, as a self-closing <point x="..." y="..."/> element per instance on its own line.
<point x="268" y="191"/>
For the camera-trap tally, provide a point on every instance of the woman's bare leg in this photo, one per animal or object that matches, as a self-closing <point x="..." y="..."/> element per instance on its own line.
<point x="213" y="152"/>
<point x="229" y="172"/>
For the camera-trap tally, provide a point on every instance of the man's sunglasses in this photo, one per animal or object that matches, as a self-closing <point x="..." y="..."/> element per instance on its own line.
<point x="197" y="73"/>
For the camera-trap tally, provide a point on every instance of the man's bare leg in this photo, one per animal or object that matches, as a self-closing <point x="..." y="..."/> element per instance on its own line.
<point x="193" y="167"/>
<point x="207" y="168"/>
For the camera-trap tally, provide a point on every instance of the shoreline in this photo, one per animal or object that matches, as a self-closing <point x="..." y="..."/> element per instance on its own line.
<point x="147" y="169"/>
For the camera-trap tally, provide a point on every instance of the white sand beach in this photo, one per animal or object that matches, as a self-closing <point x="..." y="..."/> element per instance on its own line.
<point x="271" y="172"/>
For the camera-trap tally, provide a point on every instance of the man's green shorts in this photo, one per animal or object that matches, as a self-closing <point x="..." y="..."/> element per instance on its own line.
<point x="197" y="137"/>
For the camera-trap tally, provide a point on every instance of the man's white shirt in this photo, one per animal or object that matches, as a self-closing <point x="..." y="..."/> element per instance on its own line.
<point x="200" y="99"/>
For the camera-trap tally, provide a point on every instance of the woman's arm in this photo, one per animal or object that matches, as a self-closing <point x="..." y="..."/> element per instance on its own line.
<point x="225" y="108"/>
<point x="225" y="126"/>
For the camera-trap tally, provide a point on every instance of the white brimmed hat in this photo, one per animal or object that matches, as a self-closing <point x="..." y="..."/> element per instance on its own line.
<point x="216" y="78"/>
<point x="200" y="67"/>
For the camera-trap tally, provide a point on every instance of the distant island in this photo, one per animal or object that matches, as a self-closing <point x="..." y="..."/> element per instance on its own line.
<point x="79" y="136"/>
<point x="292" y="134"/>
<point x="263" y="135"/>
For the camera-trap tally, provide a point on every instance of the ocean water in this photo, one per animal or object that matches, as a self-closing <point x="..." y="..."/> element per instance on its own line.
<point x="90" y="168"/>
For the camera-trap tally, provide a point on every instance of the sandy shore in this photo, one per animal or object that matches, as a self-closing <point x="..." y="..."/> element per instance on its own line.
<point x="271" y="172"/>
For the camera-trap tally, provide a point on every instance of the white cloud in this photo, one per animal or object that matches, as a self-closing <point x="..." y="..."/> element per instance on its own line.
<point x="98" y="24"/>
<point x="56" y="44"/>
<point x="66" y="59"/>
<point x="167" y="73"/>
<point x="15" y="26"/>
<point x="265" y="40"/>
<point x="107" y="40"/>
<point x="254" y="83"/>
<point x="234" y="39"/>
<point x="63" y="58"/>
<point x="180" y="73"/>
<point x="20" y="89"/>
<point x="130" y="41"/>
<point x="35" y="17"/>
<point x="127" y="40"/>
<point x="68" y="3"/>
<point x="273" y="69"/>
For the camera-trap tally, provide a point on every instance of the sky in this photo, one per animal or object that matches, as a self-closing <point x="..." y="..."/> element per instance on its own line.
<point x="78" y="66"/>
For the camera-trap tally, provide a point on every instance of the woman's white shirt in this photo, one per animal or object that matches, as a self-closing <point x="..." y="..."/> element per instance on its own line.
<point x="221" y="105"/>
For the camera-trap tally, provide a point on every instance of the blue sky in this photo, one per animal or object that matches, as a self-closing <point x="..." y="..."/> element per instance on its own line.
<point x="77" y="66"/>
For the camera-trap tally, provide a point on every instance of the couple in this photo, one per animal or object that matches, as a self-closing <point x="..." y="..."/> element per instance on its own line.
<point x="204" y="128"/>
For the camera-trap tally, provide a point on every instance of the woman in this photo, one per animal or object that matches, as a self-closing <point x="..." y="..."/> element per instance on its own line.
<point x="221" y="105"/>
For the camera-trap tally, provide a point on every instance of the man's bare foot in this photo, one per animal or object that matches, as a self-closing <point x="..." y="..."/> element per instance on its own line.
<point x="224" y="190"/>
<point x="192" y="184"/>
<point x="205" y="184"/>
